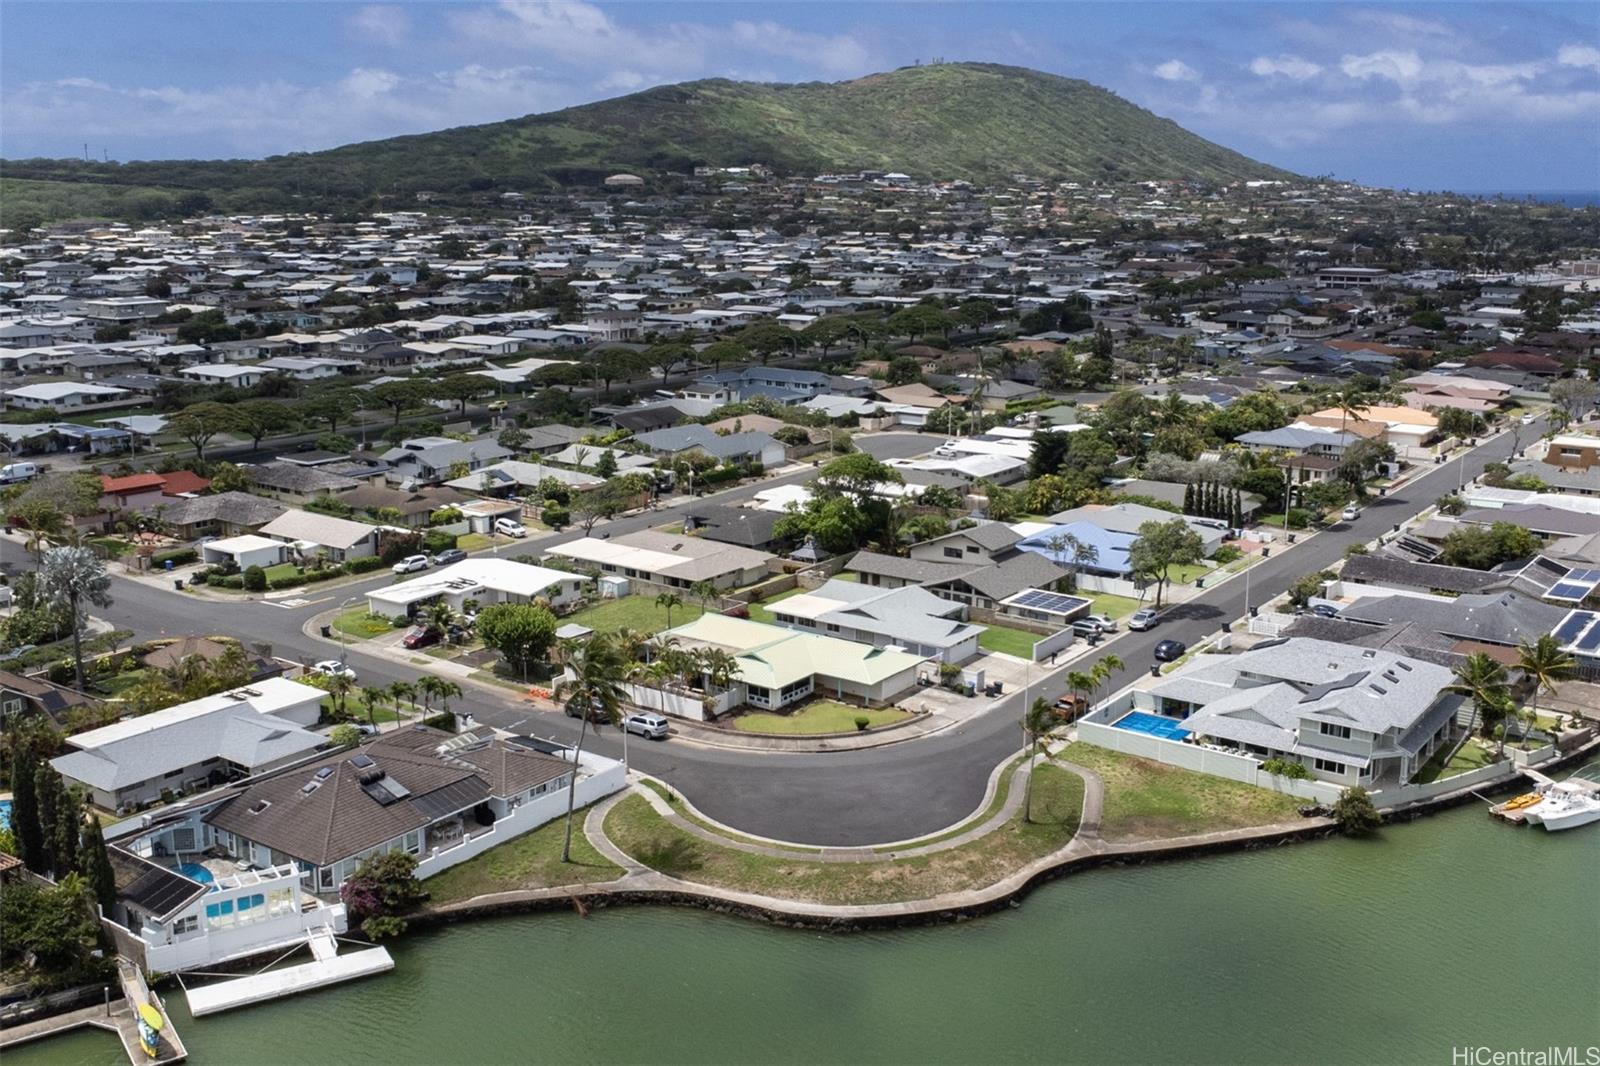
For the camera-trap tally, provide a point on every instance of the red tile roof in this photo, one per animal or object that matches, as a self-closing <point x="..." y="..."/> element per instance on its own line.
<point x="120" y="486"/>
<point x="180" y="481"/>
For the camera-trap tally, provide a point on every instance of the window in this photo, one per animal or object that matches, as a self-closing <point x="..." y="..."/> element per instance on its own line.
<point x="174" y="773"/>
<point x="952" y="553"/>
<point x="1328" y="730"/>
<point x="1328" y="766"/>
<point x="186" y="924"/>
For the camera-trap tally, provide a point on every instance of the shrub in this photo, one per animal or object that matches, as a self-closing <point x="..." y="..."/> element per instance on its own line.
<point x="176" y="558"/>
<point x="235" y="581"/>
<point x="288" y="581"/>
<point x="445" y="720"/>
<point x="437" y="540"/>
<point x="555" y="516"/>
<point x="400" y="621"/>
<point x="862" y="721"/>
<point x="364" y="565"/>
<point x="322" y="575"/>
<point x="255" y="579"/>
<point x="1355" y="813"/>
<point x="200" y="577"/>
<point x="1286" y="768"/>
<point x="345" y="735"/>
<point x="1228" y="553"/>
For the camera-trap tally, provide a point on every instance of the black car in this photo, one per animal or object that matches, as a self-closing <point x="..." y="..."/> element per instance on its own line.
<point x="448" y="556"/>
<point x="1325" y="610"/>
<point x="1170" y="651"/>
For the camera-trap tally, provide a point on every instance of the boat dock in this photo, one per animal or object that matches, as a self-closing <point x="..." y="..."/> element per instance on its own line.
<point x="120" y="1017"/>
<point x="1514" y="810"/>
<point x="327" y="967"/>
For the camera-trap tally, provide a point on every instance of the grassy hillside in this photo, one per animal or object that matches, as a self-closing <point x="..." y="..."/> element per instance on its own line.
<point x="957" y="120"/>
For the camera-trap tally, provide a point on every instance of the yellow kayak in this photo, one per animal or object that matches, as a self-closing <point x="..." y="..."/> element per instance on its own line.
<point x="151" y="1016"/>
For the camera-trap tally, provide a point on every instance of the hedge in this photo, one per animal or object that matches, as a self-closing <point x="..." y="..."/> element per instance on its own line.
<point x="288" y="582"/>
<point x="364" y="564"/>
<point x="177" y="558"/>
<point x="313" y="576"/>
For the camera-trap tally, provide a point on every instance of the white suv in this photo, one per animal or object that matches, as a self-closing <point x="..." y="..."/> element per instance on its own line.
<point x="507" y="527"/>
<point x="410" y="564"/>
<point x="652" y="726"/>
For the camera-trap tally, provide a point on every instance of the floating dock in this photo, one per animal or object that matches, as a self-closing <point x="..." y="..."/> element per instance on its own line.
<point x="327" y="967"/>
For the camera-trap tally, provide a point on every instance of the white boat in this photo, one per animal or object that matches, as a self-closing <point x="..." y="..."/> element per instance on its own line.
<point x="1565" y="806"/>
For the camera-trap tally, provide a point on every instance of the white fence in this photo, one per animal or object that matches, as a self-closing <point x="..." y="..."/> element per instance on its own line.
<point x="1114" y="586"/>
<point x="1483" y="775"/>
<point x="1055" y="642"/>
<point x="606" y="776"/>
<point x="682" y="704"/>
<point x="1203" y="760"/>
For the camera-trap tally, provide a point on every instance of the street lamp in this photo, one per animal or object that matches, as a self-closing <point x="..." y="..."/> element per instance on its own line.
<point x="343" y="640"/>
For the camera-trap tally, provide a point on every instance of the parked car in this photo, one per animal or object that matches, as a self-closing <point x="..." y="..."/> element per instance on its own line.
<point x="1170" y="651"/>
<point x="333" y="668"/>
<point x="420" y="637"/>
<point x="652" y="726"/>
<point x="448" y="556"/>
<point x="1527" y="420"/>
<point x="507" y="527"/>
<point x="411" y="564"/>
<point x="1106" y="623"/>
<point x="1144" y="618"/>
<point x="1325" y="610"/>
<point x="596" y="714"/>
<point x="20" y="649"/>
<point x="1085" y="628"/>
<point x="1351" y="513"/>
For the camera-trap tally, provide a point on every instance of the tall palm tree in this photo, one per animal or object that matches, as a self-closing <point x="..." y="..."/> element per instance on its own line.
<point x="593" y="685"/>
<point x="1544" y="663"/>
<point x="1350" y="399"/>
<point x="446" y="691"/>
<point x="46" y="526"/>
<point x="1078" y="681"/>
<point x="441" y="616"/>
<point x="669" y="600"/>
<point x="76" y="579"/>
<point x="705" y="592"/>
<point x="372" y="700"/>
<point x="1037" y="722"/>
<point x="1484" y="681"/>
<point x="403" y="690"/>
<point x="338" y="686"/>
<point x="1101" y="671"/>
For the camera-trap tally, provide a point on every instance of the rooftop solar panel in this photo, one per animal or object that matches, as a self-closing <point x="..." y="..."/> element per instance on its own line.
<point x="1048" y="601"/>
<point x="1589" y="643"/>
<point x="1566" y="590"/>
<point x="1592" y="576"/>
<point x="1572" y="625"/>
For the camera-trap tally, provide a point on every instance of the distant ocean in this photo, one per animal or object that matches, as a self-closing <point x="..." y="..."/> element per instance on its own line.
<point x="1570" y="197"/>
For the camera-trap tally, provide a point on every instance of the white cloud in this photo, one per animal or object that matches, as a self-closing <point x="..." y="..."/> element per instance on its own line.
<point x="1579" y="55"/>
<point x="1401" y="67"/>
<point x="383" y="23"/>
<point x="1176" y="70"/>
<point x="1287" y="66"/>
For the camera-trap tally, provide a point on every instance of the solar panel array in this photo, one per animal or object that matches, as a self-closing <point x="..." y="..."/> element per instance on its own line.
<point x="1579" y="632"/>
<point x="1057" y="602"/>
<point x="1575" y="587"/>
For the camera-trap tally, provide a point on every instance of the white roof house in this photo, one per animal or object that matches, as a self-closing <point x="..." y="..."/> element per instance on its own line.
<point x="487" y="580"/>
<point x="240" y="731"/>
<point x="668" y="559"/>
<point x="65" y="394"/>
<point x="310" y="531"/>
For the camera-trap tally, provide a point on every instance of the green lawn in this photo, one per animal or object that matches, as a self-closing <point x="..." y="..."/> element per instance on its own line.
<point x="819" y="716"/>
<point x="1115" y="606"/>
<point x="761" y="612"/>
<point x="1185" y="575"/>
<point x="114" y="686"/>
<point x="635" y="827"/>
<point x="1018" y="642"/>
<point x="471" y="542"/>
<point x="634" y="612"/>
<point x="1149" y="800"/>
<point x="281" y="570"/>
<point x="532" y="860"/>
<point x="114" y="547"/>
<point x="1442" y="764"/>
<point x="356" y="622"/>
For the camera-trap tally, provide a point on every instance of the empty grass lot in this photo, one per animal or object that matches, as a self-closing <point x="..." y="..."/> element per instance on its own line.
<point x="532" y="860"/>
<point x="1115" y="606"/>
<point x="356" y="622"/>
<point x="821" y="716"/>
<point x="635" y="827"/>
<point x="1008" y="641"/>
<point x="1147" y="800"/>
<point x="634" y="612"/>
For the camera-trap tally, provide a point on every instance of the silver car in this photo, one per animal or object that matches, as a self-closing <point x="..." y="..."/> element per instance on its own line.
<point x="651" y="726"/>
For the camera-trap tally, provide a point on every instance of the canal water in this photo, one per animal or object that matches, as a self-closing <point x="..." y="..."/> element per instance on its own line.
<point x="1447" y="932"/>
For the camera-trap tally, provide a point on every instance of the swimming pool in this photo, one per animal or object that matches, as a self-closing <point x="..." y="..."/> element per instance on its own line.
<point x="195" y="872"/>
<point x="5" y="814"/>
<point x="1153" y="725"/>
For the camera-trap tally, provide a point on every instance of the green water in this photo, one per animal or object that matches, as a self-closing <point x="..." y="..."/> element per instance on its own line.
<point x="1450" y="931"/>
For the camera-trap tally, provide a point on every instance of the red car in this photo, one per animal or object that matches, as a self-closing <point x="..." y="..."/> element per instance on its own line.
<point x="420" y="637"/>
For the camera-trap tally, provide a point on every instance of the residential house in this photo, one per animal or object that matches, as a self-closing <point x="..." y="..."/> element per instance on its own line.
<point x="1130" y="517"/>
<point x="747" y="447"/>
<point x="484" y="580"/>
<point x="226" y="513"/>
<point x="309" y="535"/>
<point x="136" y="492"/>
<point x="667" y="559"/>
<point x="297" y="482"/>
<point x="429" y="460"/>
<point x="907" y="619"/>
<point x="745" y="526"/>
<point x="67" y="396"/>
<point x="21" y="696"/>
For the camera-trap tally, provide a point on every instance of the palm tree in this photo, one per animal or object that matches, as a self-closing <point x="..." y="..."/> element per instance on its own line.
<point x="403" y="690"/>
<point x="441" y="616"/>
<point x="1350" y="399"/>
<point x="1037" y="722"/>
<point x="669" y="600"/>
<point x="338" y="686"/>
<point x="75" y="578"/>
<point x="593" y="685"/>
<point x="1484" y="681"/>
<point x="46" y="526"/>
<point x="1544" y="663"/>
<point x="446" y="691"/>
<point x="705" y="592"/>
<point x="373" y="699"/>
<point x="1101" y="671"/>
<point x="1078" y="681"/>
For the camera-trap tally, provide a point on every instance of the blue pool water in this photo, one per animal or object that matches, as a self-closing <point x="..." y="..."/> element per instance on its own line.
<point x="1152" y="725"/>
<point x="5" y="814"/>
<point x="195" y="872"/>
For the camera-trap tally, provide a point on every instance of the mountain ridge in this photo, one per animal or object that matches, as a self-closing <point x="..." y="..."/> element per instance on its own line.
<point x="973" y="121"/>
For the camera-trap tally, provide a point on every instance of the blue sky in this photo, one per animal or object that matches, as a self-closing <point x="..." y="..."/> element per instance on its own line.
<point x="1472" y="96"/>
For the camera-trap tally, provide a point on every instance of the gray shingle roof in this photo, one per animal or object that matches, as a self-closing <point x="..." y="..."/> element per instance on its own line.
<point x="1404" y="573"/>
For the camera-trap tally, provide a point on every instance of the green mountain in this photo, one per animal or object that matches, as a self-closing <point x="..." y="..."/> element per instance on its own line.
<point x="953" y="120"/>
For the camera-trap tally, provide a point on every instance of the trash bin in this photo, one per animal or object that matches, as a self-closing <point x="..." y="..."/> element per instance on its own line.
<point x="1199" y="582"/>
<point x="178" y="584"/>
<point x="327" y="631"/>
<point x="169" y="564"/>
<point x="1155" y="669"/>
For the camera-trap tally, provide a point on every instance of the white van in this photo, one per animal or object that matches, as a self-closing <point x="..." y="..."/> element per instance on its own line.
<point x="14" y="472"/>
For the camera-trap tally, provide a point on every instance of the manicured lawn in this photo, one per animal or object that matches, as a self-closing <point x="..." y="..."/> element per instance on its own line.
<point x="820" y="716"/>
<point x="532" y="860"/>
<point x="115" y="685"/>
<point x="1018" y="642"/>
<point x="761" y="612"/>
<point x="281" y="570"/>
<point x="1441" y="764"/>
<point x="1149" y="800"/>
<point x="634" y="826"/>
<point x="634" y="612"/>
<point x="471" y="542"/>
<point x="356" y="622"/>
<point x="1185" y="575"/>
<point x="1115" y="606"/>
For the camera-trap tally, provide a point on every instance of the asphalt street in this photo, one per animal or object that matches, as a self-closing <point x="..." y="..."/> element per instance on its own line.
<point x="877" y="795"/>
